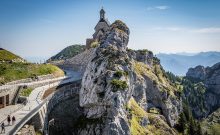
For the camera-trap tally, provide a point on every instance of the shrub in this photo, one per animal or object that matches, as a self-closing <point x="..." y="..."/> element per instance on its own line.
<point x="94" y="44"/>
<point x="120" y="26"/>
<point x="156" y="60"/>
<point x="119" y="84"/>
<point x="154" y="110"/>
<point x="215" y="129"/>
<point x="129" y="49"/>
<point x="187" y="124"/>
<point x="143" y="52"/>
<point x="155" y="83"/>
<point x="26" y="92"/>
<point x="120" y="73"/>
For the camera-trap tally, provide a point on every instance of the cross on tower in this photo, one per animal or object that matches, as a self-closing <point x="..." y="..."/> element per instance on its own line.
<point x="102" y="14"/>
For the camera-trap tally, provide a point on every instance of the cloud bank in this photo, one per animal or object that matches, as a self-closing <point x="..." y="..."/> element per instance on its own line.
<point x="160" y="7"/>
<point x="205" y="30"/>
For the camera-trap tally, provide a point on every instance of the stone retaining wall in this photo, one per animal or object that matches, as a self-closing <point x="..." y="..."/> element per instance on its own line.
<point x="14" y="90"/>
<point x="29" y="80"/>
<point x="63" y="93"/>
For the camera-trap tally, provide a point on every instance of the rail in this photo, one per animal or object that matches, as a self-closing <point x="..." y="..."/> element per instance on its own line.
<point x="35" y="110"/>
<point x="28" y="116"/>
<point x="63" y="94"/>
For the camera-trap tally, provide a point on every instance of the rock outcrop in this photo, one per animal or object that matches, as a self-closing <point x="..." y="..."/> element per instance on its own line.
<point x="78" y="62"/>
<point x="115" y="75"/>
<point x="198" y="72"/>
<point x="144" y="56"/>
<point x="209" y="78"/>
<point x="108" y="83"/>
<point x="123" y="91"/>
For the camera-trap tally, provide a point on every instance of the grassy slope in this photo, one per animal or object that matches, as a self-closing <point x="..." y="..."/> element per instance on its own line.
<point x="157" y="125"/>
<point x="15" y="71"/>
<point x="7" y="56"/>
<point x="68" y="52"/>
<point x="211" y="124"/>
<point x="156" y="74"/>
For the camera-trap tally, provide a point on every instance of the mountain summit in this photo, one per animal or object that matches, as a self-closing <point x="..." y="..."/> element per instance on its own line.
<point x="180" y="63"/>
<point x="123" y="91"/>
<point x="127" y="92"/>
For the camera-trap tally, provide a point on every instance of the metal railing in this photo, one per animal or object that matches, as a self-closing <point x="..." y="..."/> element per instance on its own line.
<point x="28" y="117"/>
<point x="32" y="113"/>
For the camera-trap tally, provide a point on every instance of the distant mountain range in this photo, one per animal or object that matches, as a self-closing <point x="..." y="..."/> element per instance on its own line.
<point x="179" y="63"/>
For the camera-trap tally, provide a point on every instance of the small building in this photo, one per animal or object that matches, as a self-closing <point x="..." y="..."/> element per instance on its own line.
<point x="101" y="28"/>
<point x="4" y="101"/>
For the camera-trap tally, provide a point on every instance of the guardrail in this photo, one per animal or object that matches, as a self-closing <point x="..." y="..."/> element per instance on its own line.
<point x="56" y="99"/>
<point x="25" y="119"/>
<point x="28" y="117"/>
<point x="10" y="86"/>
<point x="62" y="94"/>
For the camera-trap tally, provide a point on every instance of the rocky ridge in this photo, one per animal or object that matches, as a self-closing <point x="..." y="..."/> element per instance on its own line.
<point x="114" y="75"/>
<point x="78" y="62"/>
<point x="209" y="79"/>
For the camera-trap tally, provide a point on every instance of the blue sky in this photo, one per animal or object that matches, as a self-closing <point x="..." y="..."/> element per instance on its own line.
<point x="41" y="28"/>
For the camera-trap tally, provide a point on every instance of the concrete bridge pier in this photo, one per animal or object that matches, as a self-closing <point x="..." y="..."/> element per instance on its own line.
<point x="38" y="119"/>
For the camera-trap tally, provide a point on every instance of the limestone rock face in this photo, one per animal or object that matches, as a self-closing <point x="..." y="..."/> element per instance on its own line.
<point x="212" y="83"/>
<point x="151" y="92"/>
<point x="112" y="78"/>
<point x="107" y="83"/>
<point x="198" y="72"/>
<point x="210" y="77"/>
<point x="78" y="62"/>
<point x="144" y="56"/>
<point x="213" y="78"/>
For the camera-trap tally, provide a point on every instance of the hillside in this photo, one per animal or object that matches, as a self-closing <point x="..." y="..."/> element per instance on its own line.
<point x="200" y="94"/>
<point x="14" y="68"/>
<point x="211" y="124"/>
<point x="180" y="63"/>
<point x="204" y="98"/>
<point x="68" y="52"/>
<point x="16" y="71"/>
<point x="7" y="56"/>
<point x="127" y="91"/>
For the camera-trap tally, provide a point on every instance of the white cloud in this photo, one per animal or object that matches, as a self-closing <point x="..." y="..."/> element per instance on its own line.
<point x="207" y="30"/>
<point x="169" y="28"/>
<point x="161" y="7"/>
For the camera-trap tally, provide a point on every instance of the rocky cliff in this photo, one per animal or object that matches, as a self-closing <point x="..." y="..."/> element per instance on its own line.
<point x="207" y="81"/>
<point x="211" y="124"/>
<point x="116" y="75"/>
